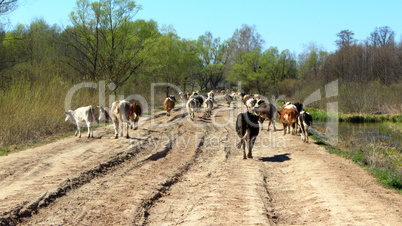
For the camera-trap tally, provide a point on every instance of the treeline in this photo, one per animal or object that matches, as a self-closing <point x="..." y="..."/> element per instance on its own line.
<point x="369" y="71"/>
<point x="39" y="63"/>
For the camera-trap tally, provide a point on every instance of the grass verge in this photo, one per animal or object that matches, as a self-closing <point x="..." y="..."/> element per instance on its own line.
<point x="384" y="163"/>
<point x="319" y="115"/>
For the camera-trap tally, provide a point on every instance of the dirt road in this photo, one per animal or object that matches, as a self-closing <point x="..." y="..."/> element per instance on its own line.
<point x="174" y="171"/>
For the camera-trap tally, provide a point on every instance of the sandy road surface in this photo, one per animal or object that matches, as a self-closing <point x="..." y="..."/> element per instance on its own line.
<point x="173" y="171"/>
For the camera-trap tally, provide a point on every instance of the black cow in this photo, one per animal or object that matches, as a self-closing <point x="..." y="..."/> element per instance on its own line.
<point x="305" y="121"/>
<point x="247" y="128"/>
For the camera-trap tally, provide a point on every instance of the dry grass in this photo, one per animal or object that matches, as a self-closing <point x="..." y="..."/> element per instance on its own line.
<point x="33" y="110"/>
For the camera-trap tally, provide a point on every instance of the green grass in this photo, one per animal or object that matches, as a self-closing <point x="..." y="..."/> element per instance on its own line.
<point x="384" y="163"/>
<point x="388" y="178"/>
<point x="320" y="115"/>
<point x="317" y="115"/>
<point x="4" y="151"/>
<point x="393" y="130"/>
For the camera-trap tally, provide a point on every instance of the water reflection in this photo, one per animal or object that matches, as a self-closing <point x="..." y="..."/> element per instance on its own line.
<point x="360" y="132"/>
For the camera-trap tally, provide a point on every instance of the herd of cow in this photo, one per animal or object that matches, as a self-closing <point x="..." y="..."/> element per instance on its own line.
<point x="247" y="124"/>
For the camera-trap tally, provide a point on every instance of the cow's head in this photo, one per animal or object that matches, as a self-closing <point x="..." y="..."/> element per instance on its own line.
<point x="299" y="106"/>
<point x="69" y="116"/>
<point x="103" y="114"/>
<point x="172" y="98"/>
<point x="258" y="103"/>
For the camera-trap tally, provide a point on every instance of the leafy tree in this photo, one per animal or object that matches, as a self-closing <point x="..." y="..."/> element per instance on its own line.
<point x="214" y="56"/>
<point x="104" y="42"/>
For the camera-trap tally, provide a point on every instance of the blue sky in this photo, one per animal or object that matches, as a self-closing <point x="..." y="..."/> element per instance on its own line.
<point x="286" y="24"/>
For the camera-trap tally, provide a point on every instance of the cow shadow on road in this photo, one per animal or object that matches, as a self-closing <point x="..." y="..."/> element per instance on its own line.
<point x="276" y="158"/>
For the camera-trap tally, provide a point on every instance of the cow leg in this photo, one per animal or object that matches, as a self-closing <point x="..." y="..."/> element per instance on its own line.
<point x="127" y="129"/>
<point x="306" y="135"/>
<point x="78" y="130"/>
<point x="261" y="120"/>
<point x="116" y="129"/>
<point x="92" y="130"/>
<point x="294" y="129"/>
<point x="302" y="133"/>
<point x="89" y="129"/>
<point x="273" y="124"/>
<point x="306" y="132"/>
<point x="244" y="151"/>
<point x="284" y="128"/>
<point x="251" y="145"/>
<point x="269" y="123"/>
<point x="121" y="126"/>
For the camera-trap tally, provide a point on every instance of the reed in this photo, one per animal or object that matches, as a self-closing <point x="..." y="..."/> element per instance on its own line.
<point x="393" y="130"/>
<point x="35" y="110"/>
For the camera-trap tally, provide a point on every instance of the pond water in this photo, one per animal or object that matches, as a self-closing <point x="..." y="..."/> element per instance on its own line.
<point x="360" y="132"/>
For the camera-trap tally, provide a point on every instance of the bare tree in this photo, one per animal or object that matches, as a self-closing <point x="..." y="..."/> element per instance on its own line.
<point x="383" y="36"/>
<point x="246" y="39"/>
<point x="7" y="6"/>
<point x="345" y="38"/>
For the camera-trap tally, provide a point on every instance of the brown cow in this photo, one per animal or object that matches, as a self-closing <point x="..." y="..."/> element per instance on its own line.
<point x="295" y="105"/>
<point x="246" y="98"/>
<point x="169" y="104"/>
<point x="135" y="113"/>
<point x="120" y="115"/>
<point x="288" y="116"/>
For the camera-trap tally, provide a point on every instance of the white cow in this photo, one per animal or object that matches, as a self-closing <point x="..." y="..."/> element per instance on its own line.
<point x="208" y="106"/>
<point x="211" y="95"/>
<point x="120" y="114"/>
<point x="192" y="107"/>
<point x="250" y="104"/>
<point x="80" y="115"/>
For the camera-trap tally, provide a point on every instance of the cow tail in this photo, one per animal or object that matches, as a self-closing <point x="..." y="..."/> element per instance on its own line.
<point x="93" y="115"/>
<point x="126" y="118"/>
<point x="242" y="140"/>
